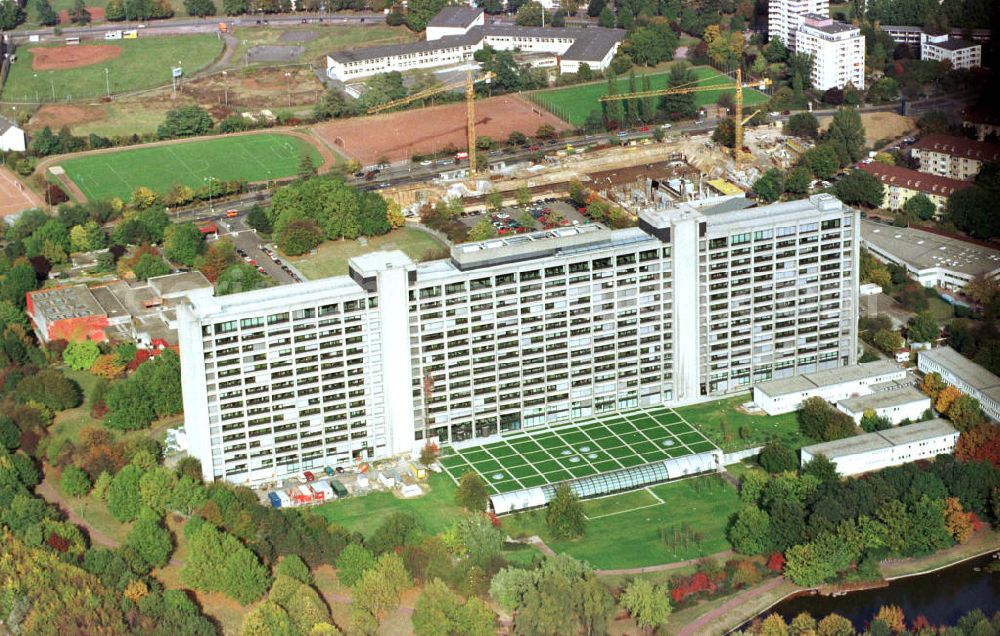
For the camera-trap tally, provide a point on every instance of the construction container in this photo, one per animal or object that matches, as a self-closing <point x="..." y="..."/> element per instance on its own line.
<point x="322" y="491"/>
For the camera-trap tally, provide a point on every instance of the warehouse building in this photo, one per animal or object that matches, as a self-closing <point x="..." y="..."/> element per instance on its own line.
<point x="787" y="394"/>
<point x="931" y="259"/>
<point x="967" y="376"/>
<point x="896" y="405"/>
<point x="875" y="451"/>
<point x="455" y="34"/>
<point x="513" y="333"/>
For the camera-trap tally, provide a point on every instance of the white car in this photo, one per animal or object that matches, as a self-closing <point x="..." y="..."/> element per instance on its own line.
<point x="427" y="162"/>
<point x="665" y="126"/>
<point x="775" y="114"/>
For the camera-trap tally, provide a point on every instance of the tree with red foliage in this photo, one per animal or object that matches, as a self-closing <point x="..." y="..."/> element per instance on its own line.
<point x="697" y="583"/>
<point x="57" y="543"/>
<point x="776" y="563"/>
<point x="140" y="356"/>
<point x="979" y="443"/>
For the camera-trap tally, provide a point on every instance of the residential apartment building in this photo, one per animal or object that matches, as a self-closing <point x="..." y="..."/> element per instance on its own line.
<point x="983" y="120"/>
<point x="837" y="50"/>
<point x="513" y="333"/>
<point x="785" y="16"/>
<point x="953" y="157"/>
<point x="902" y="184"/>
<point x="956" y="51"/>
<point x="912" y="34"/>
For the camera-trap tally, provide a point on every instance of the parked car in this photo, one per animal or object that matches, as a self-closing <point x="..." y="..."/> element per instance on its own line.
<point x="230" y="214"/>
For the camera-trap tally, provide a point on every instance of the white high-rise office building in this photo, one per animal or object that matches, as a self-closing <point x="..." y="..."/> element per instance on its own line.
<point x="507" y="334"/>
<point x="837" y="50"/>
<point x="785" y="16"/>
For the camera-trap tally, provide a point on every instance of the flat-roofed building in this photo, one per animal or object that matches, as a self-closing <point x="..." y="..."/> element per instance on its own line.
<point x="893" y="447"/>
<point x="967" y="376"/>
<point x="961" y="54"/>
<point x="837" y="50"/>
<point x="931" y="259"/>
<point x="511" y="333"/>
<point x="896" y="405"/>
<point x="785" y="16"/>
<point x="902" y="184"/>
<point x="953" y="157"/>
<point x="787" y="394"/>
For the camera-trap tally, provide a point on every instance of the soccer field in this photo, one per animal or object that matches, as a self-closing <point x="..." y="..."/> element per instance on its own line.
<point x="250" y="157"/>
<point x="574" y="103"/>
<point x="584" y="448"/>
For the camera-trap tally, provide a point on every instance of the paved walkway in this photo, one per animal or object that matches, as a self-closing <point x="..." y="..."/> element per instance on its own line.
<point x="665" y="567"/>
<point x="695" y="626"/>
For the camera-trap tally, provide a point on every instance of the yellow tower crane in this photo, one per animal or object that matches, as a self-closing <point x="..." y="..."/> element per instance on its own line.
<point x="689" y="88"/>
<point x="470" y="99"/>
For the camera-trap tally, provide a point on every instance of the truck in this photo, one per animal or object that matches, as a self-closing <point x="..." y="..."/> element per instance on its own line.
<point x="130" y="34"/>
<point x="223" y="27"/>
<point x="113" y="35"/>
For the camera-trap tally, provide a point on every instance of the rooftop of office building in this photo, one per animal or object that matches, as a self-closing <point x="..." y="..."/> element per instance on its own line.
<point x="882" y="440"/>
<point x="883" y="399"/>
<point x="826" y="377"/>
<point x="966" y="370"/>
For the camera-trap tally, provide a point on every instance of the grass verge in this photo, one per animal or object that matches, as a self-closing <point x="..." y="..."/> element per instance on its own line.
<point x="722" y="420"/>
<point x="331" y="257"/>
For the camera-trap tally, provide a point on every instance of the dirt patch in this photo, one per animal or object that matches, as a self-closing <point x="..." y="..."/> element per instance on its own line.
<point x="63" y="57"/>
<point x="15" y="194"/>
<point x="265" y="88"/>
<point x="878" y="125"/>
<point x="55" y="116"/>
<point x="399" y="136"/>
<point x="272" y="53"/>
<point x="298" y="36"/>
<point x="96" y="15"/>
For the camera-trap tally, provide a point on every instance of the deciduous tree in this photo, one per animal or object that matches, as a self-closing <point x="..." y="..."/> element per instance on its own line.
<point x="750" y="531"/>
<point x="564" y="515"/>
<point x="352" y="563"/>
<point x="649" y="605"/>
<point x="150" y="539"/>
<point x="471" y="493"/>
<point x="81" y="355"/>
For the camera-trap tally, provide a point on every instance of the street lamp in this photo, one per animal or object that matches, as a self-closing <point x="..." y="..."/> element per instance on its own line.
<point x="225" y="84"/>
<point x="211" y="203"/>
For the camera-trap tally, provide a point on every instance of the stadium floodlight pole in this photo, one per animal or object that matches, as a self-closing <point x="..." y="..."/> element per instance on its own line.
<point x="37" y="101"/>
<point x="107" y="82"/>
<point x="211" y="204"/>
<point x="225" y="85"/>
<point x="52" y="83"/>
<point x="289" y="86"/>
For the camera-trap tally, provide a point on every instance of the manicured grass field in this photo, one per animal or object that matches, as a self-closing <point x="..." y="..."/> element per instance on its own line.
<point x="435" y="511"/>
<point x="251" y="157"/>
<point x="143" y="63"/>
<point x="582" y="449"/>
<point x="331" y="257"/>
<point x="721" y="417"/>
<point x="574" y="103"/>
<point x="630" y="536"/>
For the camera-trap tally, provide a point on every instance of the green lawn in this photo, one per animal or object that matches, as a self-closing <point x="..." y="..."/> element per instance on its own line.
<point x="435" y="511"/>
<point x="331" y="257"/>
<point x="710" y="417"/>
<point x="575" y="103"/>
<point x="143" y="63"/>
<point x="250" y="157"/>
<point x="632" y="538"/>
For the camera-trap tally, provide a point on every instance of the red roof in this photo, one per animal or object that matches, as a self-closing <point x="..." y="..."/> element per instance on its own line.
<point x="914" y="180"/>
<point x="959" y="147"/>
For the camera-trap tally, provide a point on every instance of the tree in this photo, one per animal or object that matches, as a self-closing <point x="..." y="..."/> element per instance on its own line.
<point x="74" y="482"/>
<point x="293" y="566"/>
<point x="185" y="121"/>
<point x="219" y="255"/>
<point x="352" y="563"/>
<point x="797" y="181"/>
<point x="564" y="515"/>
<point x="932" y="384"/>
<point x="649" y="605"/>
<point x="150" y="539"/>
<point x="46" y="14"/>
<point x="81" y="354"/>
<point x="682" y="105"/>
<point x="860" y="188"/>
<point x="523" y="195"/>
<point x="750" y="531"/>
<point x="919" y="207"/>
<point x="17" y="283"/>
<point x="529" y="14"/>
<point x="199" y="8"/>
<point x="150" y="266"/>
<point x="183" y="243"/>
<point x="441" y="611"/>
<point x="847" y="135"/>
<point x="820" y="421"/>
<point x="156" y="488"/>
<point x="965" y="413"/>
<point x="802" y="125"/>
<point x="769" y="186"/>
<point x="968" y="209"/>
<point x="306" y="167"/>
<point x="607" y="18"/>
<point x="124" y="501"/>
<point x="652" y="44"/>
<point x="217" y="562"/>
<point x="509" y="587"/>
<point x="725" y="133"/>
<point x="380" y="588"/>
<point x="482" y="230"/>
<point x="420" y="12"/>
<point x="299" y="236"/>
<point x="78" y="14"/>
<point x="835" y="625"/>
<point x="239" y="278"/>
<point x="821" y="161"/>
<point x="923" y="328"/>
<point x="471" y="493"/>
<point x="945" y="398"/>
<point x="871" y="422"/>
<point x="822" y="468"/>
<point x="777" y="458"/>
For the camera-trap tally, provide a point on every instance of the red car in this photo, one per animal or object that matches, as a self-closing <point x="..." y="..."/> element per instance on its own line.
<point x="231" y="214"/>
<point x="644" y="129"/>
<point x="309" y="476"/>
<point x="533" y="148"/>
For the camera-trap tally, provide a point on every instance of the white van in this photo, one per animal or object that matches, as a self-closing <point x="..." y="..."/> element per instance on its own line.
<point x="112" y="35"/>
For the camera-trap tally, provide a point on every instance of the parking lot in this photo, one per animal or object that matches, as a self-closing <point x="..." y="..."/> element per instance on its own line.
<point x="250" y="248"/>
<point x="544" y="214"/>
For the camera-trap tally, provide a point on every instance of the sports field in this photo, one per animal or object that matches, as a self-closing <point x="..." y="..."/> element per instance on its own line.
<point x="585" y="448"/>
<point x="255" y="157"/>
<point x="574" y="103"/>
<point x="142" y="63"/>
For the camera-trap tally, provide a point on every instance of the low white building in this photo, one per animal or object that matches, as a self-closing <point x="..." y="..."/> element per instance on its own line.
<point x="12" y="138"/>
<point x="958" y="52"/>
<point x="837" y="50"/>
<point x="787" y="394"/>
<point x="896" y="405"/>
<point x="967" y="376"/>
<point x="875" y="451"/>
<point x="931" y="259"/>
<point x="450" y="43"/>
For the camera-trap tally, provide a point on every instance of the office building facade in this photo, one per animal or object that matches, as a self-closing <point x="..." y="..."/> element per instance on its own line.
<point x="508" y="334"/>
